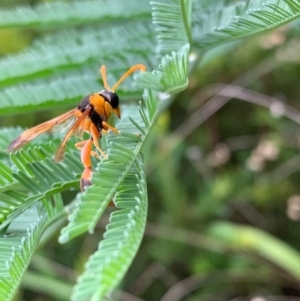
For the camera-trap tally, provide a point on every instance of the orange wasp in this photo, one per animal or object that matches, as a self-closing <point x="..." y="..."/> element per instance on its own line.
<point x="91" y="116"/>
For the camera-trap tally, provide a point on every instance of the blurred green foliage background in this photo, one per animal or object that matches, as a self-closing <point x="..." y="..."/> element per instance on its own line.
<point x="223" y="183"/>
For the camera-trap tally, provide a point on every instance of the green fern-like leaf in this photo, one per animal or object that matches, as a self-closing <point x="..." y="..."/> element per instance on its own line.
<point x="217" y="25"/>
<point x="172" y="20"/>
<point x="73" y="49"/>
<point x="59" y="91"/>
<point x="60" y="13"/>
<point x="107" y="266"/>
<point x="20" y="241"/>
<point x="172" y="76"/>
<point x="37" y="173"/>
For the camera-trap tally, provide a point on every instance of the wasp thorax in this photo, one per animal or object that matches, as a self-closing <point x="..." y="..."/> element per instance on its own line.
<point x="84" y="103"/>
<point x="111" y="97"/>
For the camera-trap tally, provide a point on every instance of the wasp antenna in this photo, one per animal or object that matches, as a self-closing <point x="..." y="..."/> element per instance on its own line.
<point x="103" y="74"/>
<point x="140" y="67"/>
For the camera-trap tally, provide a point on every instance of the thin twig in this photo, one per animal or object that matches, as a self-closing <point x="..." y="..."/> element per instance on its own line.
<point x="192" y="283"/>
<point x="284" y="170"/>
<point x="218" y="101"/>
<point x="233" y="91"/>
<point x="124" y="296"/>
<point x="149" y="274"/>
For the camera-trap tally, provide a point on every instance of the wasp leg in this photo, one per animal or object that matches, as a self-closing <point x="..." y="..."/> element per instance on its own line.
<point x="97" y="135"/>
<point x="106" y="126"/>
<point x="79" y="145"/>
<point x="86" y="161"/>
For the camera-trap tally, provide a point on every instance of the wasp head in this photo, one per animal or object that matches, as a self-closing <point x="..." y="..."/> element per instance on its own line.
<point x="113" y="100"/>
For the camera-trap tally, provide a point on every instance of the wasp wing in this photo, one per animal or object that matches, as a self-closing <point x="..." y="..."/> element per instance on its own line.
<point x="42" y="128"/>
<point x="74" y="129"/>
